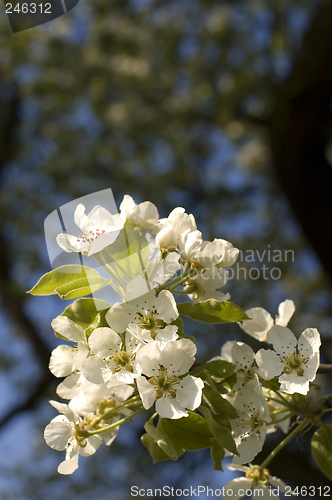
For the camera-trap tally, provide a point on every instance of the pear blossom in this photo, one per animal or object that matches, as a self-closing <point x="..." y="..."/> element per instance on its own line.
<point x="250" y="427"/>
<point x="114" y="361"/>
<point x="99" y="229"/>
<point x="179" y="221"/>
<point x="66" y="361"/>
<point x="205" y="285"/>
<point x="261" y="320"/>
<point x="144" y="215"/>
<point x="149" y="312"/>
<point x="243" y="357"/>
<point x="167" y="239"/>
<point x="91" y="396"/>
<point x="63" y="433"/>
<point x="165" y="381"/>
<point x="254" y="479"/>
<point x="294" y="361"/>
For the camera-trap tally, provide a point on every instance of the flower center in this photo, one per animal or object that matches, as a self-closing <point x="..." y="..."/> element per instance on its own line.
<point x="257" y="475"/>
<point x="122" y="359"/>
<point x="164" y="384"/>
<point x="150" y="322"/>
<point x="90" y="236"/>
<point x="294" y="363"/>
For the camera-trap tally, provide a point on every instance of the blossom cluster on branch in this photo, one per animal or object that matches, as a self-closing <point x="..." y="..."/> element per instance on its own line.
<point x="133" y="356"/>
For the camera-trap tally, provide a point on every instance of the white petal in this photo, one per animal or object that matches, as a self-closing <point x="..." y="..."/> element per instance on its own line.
<point x="167" y="334"/>
<point x="243" y="356"/>
<point x="259" y="325"/>
<point x="311" y="367"/>
<point x="92" y="445"/>
<point x="61" y="361"/>
<point x="146" y="214"/>
<point x="68" y="466"/>
<point x="70" y="386"/>
<point x="249" y="448"/>
<point x="68" y="329"/>
<point x="167" y="407"/>
<point x="166" y="306"/>
<point x="103" y="241"/>
<point x="226" y="351"/>
<point x="309" y="342"/>
<point x="81" y="354"/>
<point x="104" y="342"/>
<point x="269" y="364"/>
<point x="283" y="340"/>
<point x="70" y="243"/>
<point x="237" y="487"/>
<point x="178" y="356"/>
<point x="146" y="391"/>
<point x="149" y="358"/>
<point x="286" y="310"/>
<point x="291" y="383"/>
<point x="277" y="483"/>
<point x="65" y="410"/>
<point x="58" y="432"/>
<point x="189" y="392"/>
<point x="92" y="369"/>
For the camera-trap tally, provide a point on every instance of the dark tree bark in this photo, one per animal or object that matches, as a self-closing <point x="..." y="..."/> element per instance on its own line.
<point x="12" y="299"/>
<point x="300" y="128"/>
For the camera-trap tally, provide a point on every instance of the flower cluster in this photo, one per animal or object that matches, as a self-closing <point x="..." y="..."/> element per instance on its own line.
<point x="122" y="359"/>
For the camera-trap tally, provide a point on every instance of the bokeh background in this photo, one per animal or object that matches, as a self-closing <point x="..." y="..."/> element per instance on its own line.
<point x="222" y="107"/>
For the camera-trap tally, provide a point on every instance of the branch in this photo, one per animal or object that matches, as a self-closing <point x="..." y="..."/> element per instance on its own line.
<point x="12" y="299"/>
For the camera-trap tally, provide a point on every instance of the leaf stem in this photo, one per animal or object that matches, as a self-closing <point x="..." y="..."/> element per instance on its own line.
<point x="290" y="436"/>
<point x="129" y="402"/>
<point x="116" y="424"/>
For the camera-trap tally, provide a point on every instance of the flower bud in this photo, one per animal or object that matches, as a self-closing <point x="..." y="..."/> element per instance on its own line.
<point x="166" y="238"/>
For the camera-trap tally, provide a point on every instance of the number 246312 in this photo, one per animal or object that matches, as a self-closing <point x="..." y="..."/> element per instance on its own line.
<point x="26" y="8"/>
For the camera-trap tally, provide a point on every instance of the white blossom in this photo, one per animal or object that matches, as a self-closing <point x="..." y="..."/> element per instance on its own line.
<point x="114" y="361"/>
<point x="295" y="362"/>
<point x="62" y="433"/>
<point x="250" y="427"/>
<point x="261" y="320"/>
<point x="254" y="479"/>
<point x="144" y="215"/>
<point x="99" y="229"/>
<point x="165" y="381"/>
<point x="179" y="221"/>
<point x="149" y="312"/>
<point x="243" y="357"/>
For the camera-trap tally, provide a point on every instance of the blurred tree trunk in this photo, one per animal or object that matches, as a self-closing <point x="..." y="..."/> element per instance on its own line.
<point x="300" y="129"/>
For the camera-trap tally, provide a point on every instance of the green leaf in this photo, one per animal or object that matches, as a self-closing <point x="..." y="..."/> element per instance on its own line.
<point x="218" y="370"/>
<point x="219" y="374"/>
<point x="222" y="435"/>
<point x="61" y="276"/>
<point x="321" y="449"/>
<point x="156" y="453"/>
<point x="84" y="311"/>
<point x="80" y="288"/>
<point x="212" y="311"/>
<point x="172" y="450"/>
<point x="99" y="322"/>
<point x="217" y="455"/>
<point x="272" y="384"/>
<point x="217" y="403"/>
<point x="129" y="253"/>
<point x="190" y="433"/>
